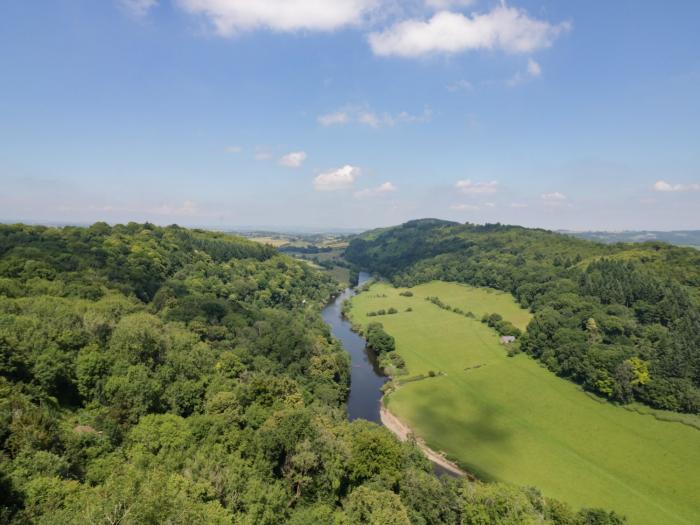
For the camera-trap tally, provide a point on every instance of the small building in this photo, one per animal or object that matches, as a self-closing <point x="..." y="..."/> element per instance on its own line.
<point x="507" y="339"/>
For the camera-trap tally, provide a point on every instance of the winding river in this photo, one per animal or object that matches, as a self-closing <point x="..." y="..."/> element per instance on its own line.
<point x="366" y="378"/>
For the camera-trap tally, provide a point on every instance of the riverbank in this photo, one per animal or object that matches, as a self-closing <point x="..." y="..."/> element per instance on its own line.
<point x="402" y="431"/>
<point x="513" y="421"/>
<point x="365" y="380"/>
<point x="364" y="369"/>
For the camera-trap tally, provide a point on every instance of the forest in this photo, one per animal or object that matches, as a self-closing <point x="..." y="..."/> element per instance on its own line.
<point x="166" y="375"/>
<point x="622" y="320"/>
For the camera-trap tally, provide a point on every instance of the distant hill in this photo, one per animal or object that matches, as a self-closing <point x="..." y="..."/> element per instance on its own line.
<point x="677" y="237"/>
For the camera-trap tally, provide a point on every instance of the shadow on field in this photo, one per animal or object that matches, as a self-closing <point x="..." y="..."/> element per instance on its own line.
<point x="483" y="428"/>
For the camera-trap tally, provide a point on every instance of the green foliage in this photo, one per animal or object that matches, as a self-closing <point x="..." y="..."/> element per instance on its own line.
<point x="503" y="418"/>
<point x="597" y="307"/>
<point x="374" y="507"/>
<point x="378" y="340"/>
<point x="166" y="375"/>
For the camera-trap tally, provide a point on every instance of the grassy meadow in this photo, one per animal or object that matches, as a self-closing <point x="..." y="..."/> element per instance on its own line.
<point x="508" y="419"/>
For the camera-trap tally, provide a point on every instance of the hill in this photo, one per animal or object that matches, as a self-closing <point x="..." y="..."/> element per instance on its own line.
<point x="679" y="238"/>
<point x="622" y="320"/>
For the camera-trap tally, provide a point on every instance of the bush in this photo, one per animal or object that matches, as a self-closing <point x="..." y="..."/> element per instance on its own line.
<point x="407" y="293"/>
<point x="392" y="311"/>
<point x="379" y="340"/>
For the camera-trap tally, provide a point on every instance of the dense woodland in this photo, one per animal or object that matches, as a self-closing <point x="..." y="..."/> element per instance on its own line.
<point x="622" y="320"/>
<point x="164" y="375"/>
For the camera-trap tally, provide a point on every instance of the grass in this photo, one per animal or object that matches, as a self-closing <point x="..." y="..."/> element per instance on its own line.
<point x="272" y="241"/>
<point x="342" y="275"/>
<point x="511" y="420"/>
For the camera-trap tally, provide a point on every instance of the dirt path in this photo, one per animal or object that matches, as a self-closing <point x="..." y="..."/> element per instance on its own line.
<point x="402" y="431"/>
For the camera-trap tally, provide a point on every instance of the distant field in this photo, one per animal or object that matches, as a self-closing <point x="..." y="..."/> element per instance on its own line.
<point x="342" y="275"/>
<point x="509" y="419"/>
<point x="291" y="242"/>
<point x="272" y="241"/>
<point x="688" y="238"/>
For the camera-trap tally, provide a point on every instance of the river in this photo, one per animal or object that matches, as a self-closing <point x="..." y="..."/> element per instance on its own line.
<point x="366" y="378"/>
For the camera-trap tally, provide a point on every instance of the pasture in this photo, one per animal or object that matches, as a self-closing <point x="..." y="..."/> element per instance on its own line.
<point x="509" y="419"/>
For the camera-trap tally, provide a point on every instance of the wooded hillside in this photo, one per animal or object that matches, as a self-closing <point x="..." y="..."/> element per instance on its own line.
<point x="622" y="320"/>
<point x="162" y="375"/>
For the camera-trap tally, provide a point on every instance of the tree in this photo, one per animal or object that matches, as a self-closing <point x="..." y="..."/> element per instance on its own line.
<point x="366" y="506"/>
<point x="138" y="339"/>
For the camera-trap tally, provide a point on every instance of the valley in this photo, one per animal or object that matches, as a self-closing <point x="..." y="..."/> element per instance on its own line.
<point x="509" y="419"/>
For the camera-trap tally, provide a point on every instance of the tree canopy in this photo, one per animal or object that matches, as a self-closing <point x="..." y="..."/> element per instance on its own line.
<point x="152" y="375"/>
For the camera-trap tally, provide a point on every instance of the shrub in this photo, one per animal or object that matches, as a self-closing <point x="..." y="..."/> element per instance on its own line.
<point x="494" y="318"/>
<point x="379" y="340"/>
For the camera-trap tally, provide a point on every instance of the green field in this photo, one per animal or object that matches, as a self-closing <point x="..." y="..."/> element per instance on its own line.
<point x="511" y="420"/>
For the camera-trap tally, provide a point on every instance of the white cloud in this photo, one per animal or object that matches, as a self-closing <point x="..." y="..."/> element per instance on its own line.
<point x="533" y="68"/>
<point x="476" y="188"/>
<point x="229" y="17"/>
<point x="138" y="8"/>
<point x="553" y="197"/>
<point x="367" y="117"/>
<point x="384" y="188"/>
<point x="339" y="179"/>
<point x="460" y="85"/>
<point x="446" y="4"/>
<point x="518" y="205"/>
<point x="330" y="119"/>
<point x="293" y="160"/>
<point x="664" y="186"/>
<point x="504" y="28"/>
<point x="233" y="149"/>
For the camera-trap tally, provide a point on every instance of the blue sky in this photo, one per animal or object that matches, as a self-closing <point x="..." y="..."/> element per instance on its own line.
<point x="351" y="113"/>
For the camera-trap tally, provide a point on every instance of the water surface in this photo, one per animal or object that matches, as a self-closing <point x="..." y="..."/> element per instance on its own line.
<point x="366" y="379"/>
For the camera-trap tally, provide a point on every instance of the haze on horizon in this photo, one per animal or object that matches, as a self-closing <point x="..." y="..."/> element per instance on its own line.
<point x="355" y="114"/>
